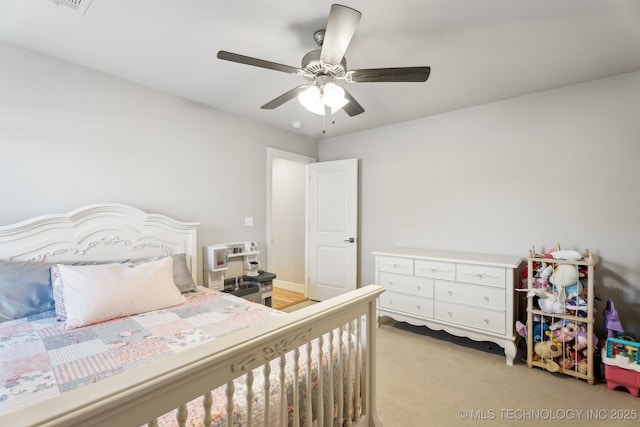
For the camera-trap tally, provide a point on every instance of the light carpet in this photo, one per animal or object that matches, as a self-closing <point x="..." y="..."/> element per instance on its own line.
<point x="431" y="378"/>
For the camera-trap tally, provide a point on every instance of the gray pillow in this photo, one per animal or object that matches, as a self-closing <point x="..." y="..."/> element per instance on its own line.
<point x="25" y="289"/>
<point x="181" y="274"/>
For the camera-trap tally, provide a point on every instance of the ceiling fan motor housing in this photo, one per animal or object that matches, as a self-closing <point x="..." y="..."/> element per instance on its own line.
<point x="313" y="66"/>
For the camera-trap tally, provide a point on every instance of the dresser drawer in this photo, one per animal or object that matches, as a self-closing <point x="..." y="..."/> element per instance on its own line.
<point x="481" y="274"/>
<point x="406" y="284"/>
<point x="435" y="269"/>
<point x="485" y="320"/>
<point x="417" y="306"/>
<point x="395" y="265"/>
<point x="482" y="296"/>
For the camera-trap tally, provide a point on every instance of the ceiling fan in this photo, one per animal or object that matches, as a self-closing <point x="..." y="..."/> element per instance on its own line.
<point x="324" y="66"/>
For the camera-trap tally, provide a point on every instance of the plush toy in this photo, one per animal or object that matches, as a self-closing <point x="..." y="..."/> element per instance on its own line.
<point x="567" y="332"/>
<point x="539" y="330"/>
<point x="564" y="276"/>
<point x="566" y="363"/>
<point x="552" y="337"/>
<point x="541" y="277"/>
<point x="581" y="340"/>
<point x="549" y="303"/>
<point x="546" y="271"/>
<point x="583" y="367"/>
<point x="548" y="350"/>
<point x="569" y="254"/>
<point x="576" y="305"/>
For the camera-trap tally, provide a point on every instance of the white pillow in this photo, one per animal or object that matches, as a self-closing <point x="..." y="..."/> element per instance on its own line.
<point x="95" y="293"/>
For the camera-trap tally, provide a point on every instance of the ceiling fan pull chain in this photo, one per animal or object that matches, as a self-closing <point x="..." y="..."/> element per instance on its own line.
<point x="323" y="124"/>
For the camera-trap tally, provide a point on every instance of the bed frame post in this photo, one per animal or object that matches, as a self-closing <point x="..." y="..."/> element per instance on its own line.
<point x="371" y="324"/>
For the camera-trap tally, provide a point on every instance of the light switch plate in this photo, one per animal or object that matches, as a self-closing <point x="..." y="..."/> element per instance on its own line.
<point x="248" y="221"/>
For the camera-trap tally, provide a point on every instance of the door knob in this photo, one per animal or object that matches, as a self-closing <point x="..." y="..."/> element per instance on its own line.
<point x="350" y="240"/>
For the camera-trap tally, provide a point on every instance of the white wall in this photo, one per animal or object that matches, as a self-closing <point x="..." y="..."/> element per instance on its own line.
<point x="70" y="136"/>
<point x="560" y="166"/>
<point x="288" y="222"/>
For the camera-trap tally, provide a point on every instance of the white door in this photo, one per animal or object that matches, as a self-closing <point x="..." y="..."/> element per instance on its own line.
<point x="333" y="225"/>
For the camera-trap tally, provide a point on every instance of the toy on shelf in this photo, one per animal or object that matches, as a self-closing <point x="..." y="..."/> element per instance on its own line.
<point x="547" y="352"/>
<point x="560" y="321"/>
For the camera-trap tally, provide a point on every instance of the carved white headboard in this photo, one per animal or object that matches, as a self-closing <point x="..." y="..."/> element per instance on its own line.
<point x="106" y="231"/>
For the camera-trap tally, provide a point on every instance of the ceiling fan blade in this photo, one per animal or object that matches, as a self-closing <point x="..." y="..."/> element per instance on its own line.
<point x="287" y="96"/>
<point x="352" y="108"/>
<point x="242" y="59"/>
<point x="341" y="26"/>
<point x="401" y="74"/>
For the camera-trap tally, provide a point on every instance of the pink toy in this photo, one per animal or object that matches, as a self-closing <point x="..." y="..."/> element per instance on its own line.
<point x="581" y="340"/>
<point x="621" y="377"/>
<point x="567" y="332"/>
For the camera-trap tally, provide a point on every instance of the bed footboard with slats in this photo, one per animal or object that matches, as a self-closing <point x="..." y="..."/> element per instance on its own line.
<point x="312" y="367"/>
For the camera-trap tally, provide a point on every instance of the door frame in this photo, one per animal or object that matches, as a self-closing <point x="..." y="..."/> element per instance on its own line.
<point x="274" y="153"/>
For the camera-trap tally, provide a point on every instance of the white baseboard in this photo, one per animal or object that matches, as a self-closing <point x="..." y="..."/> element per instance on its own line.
<point x="290" y="286"/>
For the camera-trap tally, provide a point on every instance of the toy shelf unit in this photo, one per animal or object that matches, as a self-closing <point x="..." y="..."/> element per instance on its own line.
<point x="560" y="312"/>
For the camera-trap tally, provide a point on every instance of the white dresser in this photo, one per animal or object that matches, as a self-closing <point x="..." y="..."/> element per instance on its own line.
<point x="468" y="295"/>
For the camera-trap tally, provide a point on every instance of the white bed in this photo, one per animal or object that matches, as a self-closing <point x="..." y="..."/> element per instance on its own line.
<point x="145" y="393"/>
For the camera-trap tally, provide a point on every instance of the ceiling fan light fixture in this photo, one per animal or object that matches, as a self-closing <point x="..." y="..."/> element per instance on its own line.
<point x="333" y="96"/>
<point x="311" y="99"/>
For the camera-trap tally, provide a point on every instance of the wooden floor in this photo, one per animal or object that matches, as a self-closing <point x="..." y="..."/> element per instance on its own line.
<point x="283" y="298"/>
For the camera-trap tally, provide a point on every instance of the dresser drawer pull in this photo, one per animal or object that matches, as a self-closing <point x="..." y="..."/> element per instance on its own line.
<point x="419" y="287"/>
<point x="418" y="307"/>
<point x="393" y="265"/>
<point x="486" y="298"/>
<point x="450" y="313"/>
<point x="450" y="293"/>
<point x="486" y="321"/>
<point x="390" y="282"/>
<point x="483" y="276"/>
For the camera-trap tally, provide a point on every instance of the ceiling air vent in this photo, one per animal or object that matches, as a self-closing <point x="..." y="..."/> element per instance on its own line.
<point x="77" y="5"/>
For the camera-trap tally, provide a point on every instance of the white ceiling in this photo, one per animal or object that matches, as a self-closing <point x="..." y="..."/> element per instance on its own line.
<point x="479" y="50"/>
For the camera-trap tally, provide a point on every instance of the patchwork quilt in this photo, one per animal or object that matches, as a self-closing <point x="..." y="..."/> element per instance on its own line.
<point x="40" y="359"/>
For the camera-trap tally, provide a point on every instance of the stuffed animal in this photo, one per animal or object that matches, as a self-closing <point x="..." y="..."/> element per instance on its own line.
<point x="564" y="276"/>
<point x="567" y="332"/>
<point x="548" y="350"/>
<point x="539" y="330"/>
<point x="549" y="303"/>
<point x="581" y="340"/>
<point x="583" y="367"/>
<point x="569" y="254"/>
